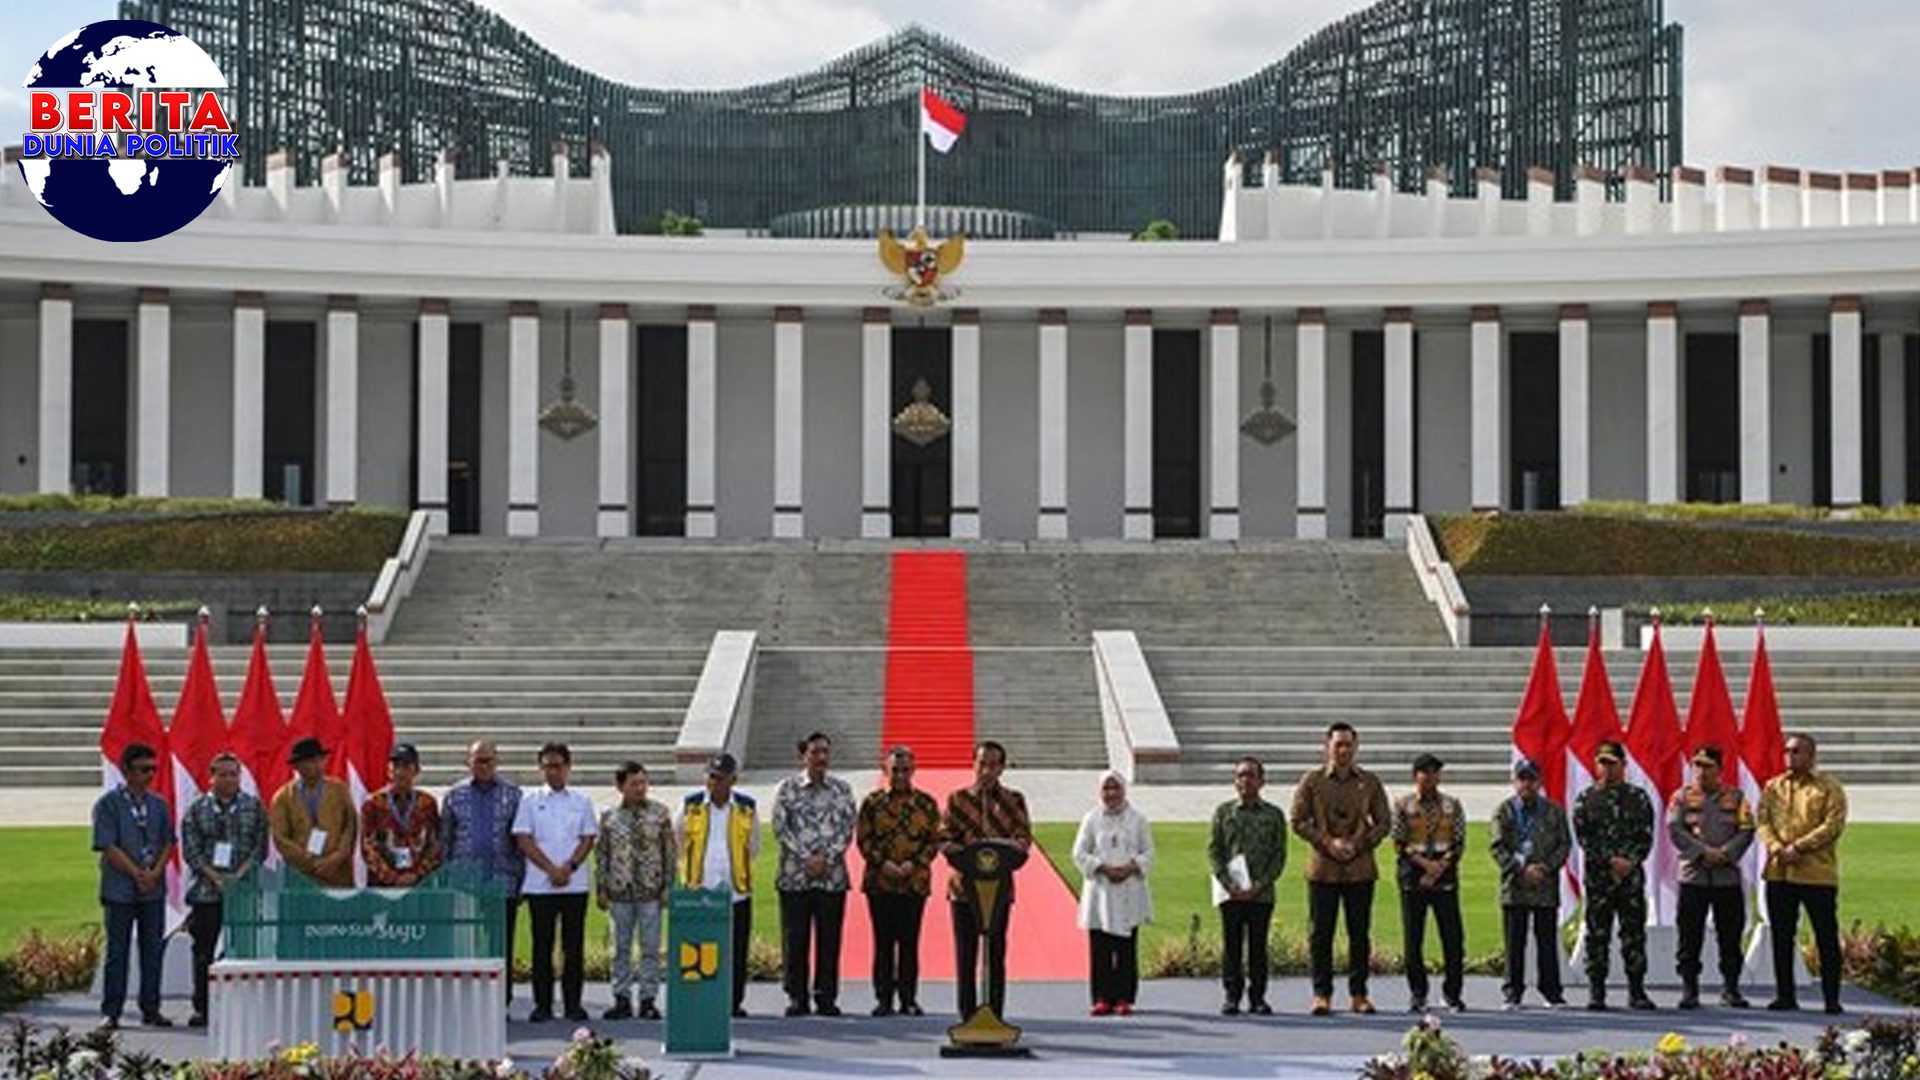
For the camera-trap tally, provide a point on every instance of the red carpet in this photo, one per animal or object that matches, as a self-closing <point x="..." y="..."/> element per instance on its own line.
<point x="929" y="707"/>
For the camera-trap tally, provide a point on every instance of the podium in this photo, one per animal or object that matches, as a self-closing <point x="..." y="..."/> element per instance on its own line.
<point x="699" y="973"/>
<point x="986" y="871"/>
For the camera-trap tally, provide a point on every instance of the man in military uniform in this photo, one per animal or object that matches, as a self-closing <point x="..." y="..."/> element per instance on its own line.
<point x="1613" y="821"/>
<point x="1711" y="827"/>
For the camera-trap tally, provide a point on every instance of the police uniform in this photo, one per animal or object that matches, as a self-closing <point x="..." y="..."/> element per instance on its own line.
<point x="1615" y="821"/>
<point x="1699" y="821"/>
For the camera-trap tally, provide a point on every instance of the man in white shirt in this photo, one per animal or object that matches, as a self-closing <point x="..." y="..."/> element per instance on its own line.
<point x="554" y="829"/>
<point x="719" y="837"/>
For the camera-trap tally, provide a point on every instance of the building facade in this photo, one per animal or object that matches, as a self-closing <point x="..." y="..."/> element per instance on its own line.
<point x="1413" y="83"/>
<point x="1753" y="337"/>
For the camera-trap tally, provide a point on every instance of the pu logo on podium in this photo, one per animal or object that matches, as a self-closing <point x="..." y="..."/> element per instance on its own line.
<point x="699" y="962"/>
<point x="352" y="1011"/>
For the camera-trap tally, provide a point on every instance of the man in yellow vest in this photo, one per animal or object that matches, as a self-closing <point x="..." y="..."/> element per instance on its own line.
<point x="719" y="837"/>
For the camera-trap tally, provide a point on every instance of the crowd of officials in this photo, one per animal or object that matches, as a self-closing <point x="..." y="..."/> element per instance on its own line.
<point x="537" y="844"/>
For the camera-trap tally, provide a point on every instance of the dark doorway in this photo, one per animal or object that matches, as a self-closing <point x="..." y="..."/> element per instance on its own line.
<point x="1823" y="419"/>
<point x="1176" y="433"/>
<point x="1533" y="420"/>
<point x="100" y="392"/>
<point x="660" y="435"/>
<point x="1910" y="397"/>
<point x="290" y="378"/>
<point x="1369" y="433"/>
<point x="922" y="475"/>
<point x="463" y="428"/>
<point x="1713" y="418"/>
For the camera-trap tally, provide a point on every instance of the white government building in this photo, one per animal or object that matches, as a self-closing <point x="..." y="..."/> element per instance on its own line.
<point x="1751" y="336"/>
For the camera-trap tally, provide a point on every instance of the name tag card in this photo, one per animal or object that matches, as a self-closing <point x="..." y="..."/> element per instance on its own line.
<point x="316" y="842"/>
<point x="402" y="858"/>
<point x="222" y="855"/>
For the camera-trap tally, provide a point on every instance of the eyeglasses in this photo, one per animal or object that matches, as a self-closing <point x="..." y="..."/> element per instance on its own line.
<point x="481" y="761"/>
<point x="143" y="768"/>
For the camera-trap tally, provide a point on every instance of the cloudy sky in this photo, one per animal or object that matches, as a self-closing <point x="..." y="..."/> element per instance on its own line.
<point x="1767" y="81"/>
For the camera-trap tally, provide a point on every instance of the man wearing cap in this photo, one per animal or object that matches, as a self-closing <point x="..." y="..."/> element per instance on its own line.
<point x="313" y="820"/>
<point x="1430" y="832"/>
<point x="400" y="826"/>
<point x="1341" y="811"/>
<point x="223" y="839"/>
<point x="1711" y="828"/>
<point x="1802" y="814"/>
<point x="1613" y="820"/>
<point x="898" y="833"/>
<point x="1530" y="845"/>
<point x="476" y="834"/>
<point x="719" y="837"/>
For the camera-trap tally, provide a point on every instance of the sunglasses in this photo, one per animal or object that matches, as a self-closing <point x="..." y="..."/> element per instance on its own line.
<point x="146" y="768"/>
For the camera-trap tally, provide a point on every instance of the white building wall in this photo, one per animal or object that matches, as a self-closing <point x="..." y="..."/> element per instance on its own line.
<point x="1267" y="473"/>
<point x="200" y="444"/>
<point x="386" y="408"/>
<point x="1010" y="426"/>
<point x="1617" y="391"/>
<point x="1443" y="380"/>
<point x="1096" y="436"/>
<point x="743" y="471"/>
<point x="1791" y="406"/>
<point x="830" y="479"/>
<point x="19" y="398"/>
<point x="1340" y="429"/>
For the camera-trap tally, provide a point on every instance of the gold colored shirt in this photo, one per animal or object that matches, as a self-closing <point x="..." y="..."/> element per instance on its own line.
<point x="1809" y="812"/>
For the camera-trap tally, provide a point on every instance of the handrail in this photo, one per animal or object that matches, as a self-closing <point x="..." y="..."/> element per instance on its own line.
<point x="397" y="576"/>
<point x="1438" y="581"/>
<point x="1141" y="742"/>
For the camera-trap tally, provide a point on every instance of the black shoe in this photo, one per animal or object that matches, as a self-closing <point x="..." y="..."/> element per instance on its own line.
<point x="1783" y="1005"/>
<point x="1641" y="1003"/>
<point x="576" y="1014"/>
<point x="1417" y="1006"/>
<point x="197" y="1020"/>
<point x="1732" y="1000"/>
<point x="1229" y="1008"/>
<point x="739" y="1012"/>
<point x="622" y="1010"/>
<point x="1456" y="1005"/>
<point x="1260" y="1008"/>
<point x="1596" y="1003"/>
<point x="109" y="1023"/>
<point x="1556" y="1003"/>
<point x="155" y="1020"/>
<point x="827" y="1009"/>
<point x="1690" y="1001"/>
<point x="648" y="1010"/>
<point x="911" y="1008"/>
<point x="539" y="1016"/>
<point x="885" y="1008"/>
<point x="1834" y="1009"/>
<point x="797" y="1008"/>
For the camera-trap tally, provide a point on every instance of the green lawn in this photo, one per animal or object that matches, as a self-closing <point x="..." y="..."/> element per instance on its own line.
<point x="51" y="883"/>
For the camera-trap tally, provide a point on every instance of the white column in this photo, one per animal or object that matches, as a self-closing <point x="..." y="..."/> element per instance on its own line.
<point x="1845" y="402"/>
<point x="1576" y="412"/>
<point x="523" y="419"/>
<point x="1663" y="404"/>
<point x="1488" y="408"/>
<point x="56" y="389"/>
<point x="876" y="423"/>
<point x="1398" y="405"/>
<point x="703" y="406"/>
<point x="154" y="376"/>
<point x="1223" y="510"/>
<point x="615" y="517"/>
<point x="343" y="401"/>
<point x="1756" y="431"/>
<point x="789" y="432"/>
<point x="430" y="456"/>
<point x="1310" y="462"/>
<point x="249" y="393"/>
<point x="1053" y="424"/>
<point x="1138" y="425"/>
<point x="966" y="424"/>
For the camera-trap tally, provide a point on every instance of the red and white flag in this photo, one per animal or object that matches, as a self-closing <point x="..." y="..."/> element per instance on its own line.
<point x="1763" y="745"/>
<point x="132" y="718"/>
<point x="940" y="122"/>
<point x="1710" y="711"/>
<point x="259" y="730"/>
<point x="1596" y="719"/>
<point x="369" y="723"/>
<point x="1653" y="761"/>
<point x="197" y="734"/>
<point x="1540" y="732"/>
<point x="316" y="712"/>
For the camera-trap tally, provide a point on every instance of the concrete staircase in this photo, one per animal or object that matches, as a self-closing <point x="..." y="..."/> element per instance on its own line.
<point x="1459" y="704"/>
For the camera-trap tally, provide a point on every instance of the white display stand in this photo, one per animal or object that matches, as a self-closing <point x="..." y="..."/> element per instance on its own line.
<point x="447" y="1008"/>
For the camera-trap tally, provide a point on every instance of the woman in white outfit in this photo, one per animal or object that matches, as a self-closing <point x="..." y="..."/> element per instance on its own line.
<point x="1114" y="851"/>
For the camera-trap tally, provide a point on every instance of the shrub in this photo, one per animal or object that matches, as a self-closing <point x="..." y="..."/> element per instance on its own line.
<point x="346" y="541"/>
<point x="1600" y="545"/>
<point x="39" y="965"/>
<point x="1198" y="956"/>
<point x="1886" y="961"/>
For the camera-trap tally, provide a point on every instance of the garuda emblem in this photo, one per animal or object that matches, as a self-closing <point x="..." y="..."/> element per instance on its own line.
<point x="920" y="265"/>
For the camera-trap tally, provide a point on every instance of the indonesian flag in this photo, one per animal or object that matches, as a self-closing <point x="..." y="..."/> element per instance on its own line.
<point x="369" y="723"/>
<point x="315" y="711"/>
<point x="259" y="727"/>
<point x="132" y="718"/>
<point x="1763" y="747"/>
<point x="1710" y="712"/>
<point x="198" y="732"/>
<point x="1540" y="732"/>
<point x="1653" y="762"/>
<point x="1596" y="719"/>
<point x="940" y="122"/>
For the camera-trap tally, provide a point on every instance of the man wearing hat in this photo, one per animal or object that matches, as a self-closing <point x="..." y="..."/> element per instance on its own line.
<point x="1530" y="845"/>
<point x="1712" y="827"/>
<point x="400" y="826"/>
<point x="1613" y="820"/>
<point x="719" y="836"/>
<point x="1429" y="832"/>
<point x="312" y="818"/>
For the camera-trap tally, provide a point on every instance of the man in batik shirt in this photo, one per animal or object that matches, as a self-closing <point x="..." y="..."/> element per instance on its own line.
<point x="813" y="821"/>
<point x="898" y="833"/>
<point x="400" y="826"/>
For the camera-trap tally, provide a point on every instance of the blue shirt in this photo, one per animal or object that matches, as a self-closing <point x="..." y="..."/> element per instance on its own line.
<point x="142" y="828"/>
<point x="476" y="829"/>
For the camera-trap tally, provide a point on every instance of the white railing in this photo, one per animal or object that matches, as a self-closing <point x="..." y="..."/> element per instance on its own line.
<point x="1437" y="580"/>
<point x="397" y="576"/>
<point x="107" y="634"/>
<point x="1684" y="639"/>
<point x="1141" y="744"/>
<point x="721" y="711"/>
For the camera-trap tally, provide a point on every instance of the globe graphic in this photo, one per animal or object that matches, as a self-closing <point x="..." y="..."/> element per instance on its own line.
<point x="124" y="199"/>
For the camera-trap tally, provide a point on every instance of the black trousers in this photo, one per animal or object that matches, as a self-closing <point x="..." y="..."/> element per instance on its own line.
<point x="1728" y="903"/>
<point x="203" y="923"/>
<point x="1518" y="922"/>
<point x="1445" y="905"/>
<point x="150" y="918"/>
<point x="513" y="920"/>
<point x="1325" y="902"/>
<point x="1784" y="901"/>
<point x="896" y="945"/>
<point x="1116" y="966"/>
<point x="568" y="912"/>
<point x="966" y="954"/>
<point x="742" y="937"/>
<point x="811" y="918"/>
<point x="1243" y="960"/>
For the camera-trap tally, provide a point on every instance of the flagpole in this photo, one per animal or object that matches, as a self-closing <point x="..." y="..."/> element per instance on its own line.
<point x="920" y="138"/>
